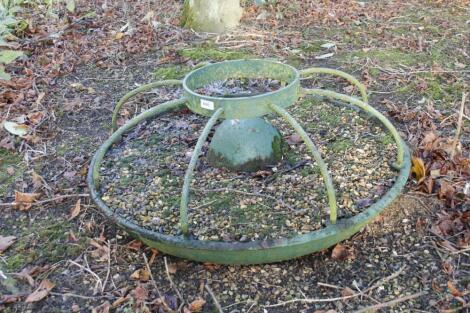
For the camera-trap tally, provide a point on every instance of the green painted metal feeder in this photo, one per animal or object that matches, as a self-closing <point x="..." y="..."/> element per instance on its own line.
<point x="244" y="141"/>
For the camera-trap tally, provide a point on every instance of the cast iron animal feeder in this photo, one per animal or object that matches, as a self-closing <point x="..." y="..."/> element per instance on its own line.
<point x="244" y="141"/>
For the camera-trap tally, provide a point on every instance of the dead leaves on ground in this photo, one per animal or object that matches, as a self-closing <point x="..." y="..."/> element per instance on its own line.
<point x="142" y="275"/>
<point x="418" y="169"/>
<point x="24" y="201"/>
<point x="101" y="251"/>
<point x="342" y="252"/>
<point x="28" y="273"/>
<point x="75" y="211"/>
<point x="436" y="173"/>
<point x="455" y="225"/>
<point x="6" y="242"/>
<point x="196" y="305"/>
<point x="41" y="292"/>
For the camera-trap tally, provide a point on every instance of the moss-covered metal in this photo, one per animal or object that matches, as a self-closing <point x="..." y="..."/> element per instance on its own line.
<point x="258" y="251"/>
<point x="242" y="107"/>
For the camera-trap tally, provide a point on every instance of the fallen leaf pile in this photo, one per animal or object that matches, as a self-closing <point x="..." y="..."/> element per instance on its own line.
<point x="436" y="173"/>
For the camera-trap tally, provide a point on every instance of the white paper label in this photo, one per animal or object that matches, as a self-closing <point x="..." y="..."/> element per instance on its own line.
<point x="206" y="104"/>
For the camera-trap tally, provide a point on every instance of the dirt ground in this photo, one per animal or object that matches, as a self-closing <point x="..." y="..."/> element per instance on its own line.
<point x="413" y="57"/>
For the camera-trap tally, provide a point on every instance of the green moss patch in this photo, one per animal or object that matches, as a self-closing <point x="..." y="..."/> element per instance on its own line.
<point x="214" y="54"/>
<point x="341" y="145"/>
<point x="385" y="56"/>
<point x="171" y="72"/>
<point x="9" y="160"/>
<point x="42" y="243"/>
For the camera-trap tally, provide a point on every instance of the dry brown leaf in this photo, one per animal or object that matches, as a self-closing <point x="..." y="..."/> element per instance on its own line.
<point x="43" y="291"/>
<point x="72" y="105"/>
<point x="172" y="268"/>
<point x="21" y="197"/>
<point x="119" y="301"/>
<point x="428" y="184"/>
<point x="446" y="244"/>
<point x="349" y="89"/>
<point x="5" y="299"/>
<point x="6" y="242"/>
<point x="140" y="294"/>
<point x="196" y="305"/>
<point x="418" y="169"/>
<point x="211" y="266"/>
<point x="346" y="292"/>
<point x="453" y="290"/>
<point x="72" y="237"/>
<point x="447" y="268"/>
<point x="37" y="180"/>
<point x="102" y="250"/>
<point x="35" y="117"/>
<point x="435" y="286"/>
<point x="294" y="139"/>
<point x="75" y="211"/>
<point x="39" y="98"/>
<point x="428" y="142"/>
<point x="135" y="245"/>
<point x="153" y="256"/>
<point x="141" y="274"/>
<point x="341" y="252"/>
<point x="446" y="191"/>
<point x="28" y="273"/>
<point x="24" y="274"/>
<point x="119" y="35"/>
<point x="7" y="143"/>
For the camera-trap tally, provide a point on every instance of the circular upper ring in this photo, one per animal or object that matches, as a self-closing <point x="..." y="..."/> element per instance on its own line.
<point x="242" y="107"/>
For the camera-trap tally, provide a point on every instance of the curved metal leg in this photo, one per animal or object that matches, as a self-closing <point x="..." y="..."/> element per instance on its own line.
<point x="189" y="172"/>
<point x="349" y="78"/>
<point x="316" y="154"/>
<point x="133" y="93"/>
<point x="367" y="108"/>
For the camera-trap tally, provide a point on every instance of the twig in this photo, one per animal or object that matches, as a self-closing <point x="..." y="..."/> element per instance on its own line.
<point x="461" y="251"/>
<point x="204" y="204"/>
<point x="98" y="279"/>
<point x="216" y="302"/>
<point x="374" y="286"/>
<point x="155" y="284"/>
<point x="459" y="126"/>
<point x="109" y="268"/>
<point x="463" y="115"/>
<point x="329" y="285"/>
<point x="375" y="307"/>
<point x="172" y="283"/>
<point x="73" y="295"/>
<point x="294" y="167"/>
<point x="47" y="200"/>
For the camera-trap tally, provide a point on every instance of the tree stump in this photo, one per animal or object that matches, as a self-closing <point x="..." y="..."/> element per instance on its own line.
<point x="213" y="16"/>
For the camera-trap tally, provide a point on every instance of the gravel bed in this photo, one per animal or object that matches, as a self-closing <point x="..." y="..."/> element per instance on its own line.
<point x="142" y="176"/>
